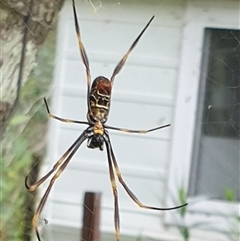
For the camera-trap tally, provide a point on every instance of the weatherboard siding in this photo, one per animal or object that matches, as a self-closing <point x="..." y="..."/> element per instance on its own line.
<point x="143" y="97"/>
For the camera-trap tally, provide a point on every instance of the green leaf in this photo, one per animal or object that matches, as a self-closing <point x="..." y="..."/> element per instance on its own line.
<point x="230" y="195"/>
<point x="19" y="119"/>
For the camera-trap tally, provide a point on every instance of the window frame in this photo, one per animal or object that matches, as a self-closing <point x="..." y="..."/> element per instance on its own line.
<point x="215" y="136"/>
<point x="210" y="214"/>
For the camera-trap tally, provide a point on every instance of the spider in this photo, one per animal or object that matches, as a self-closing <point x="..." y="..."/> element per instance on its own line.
<point x="96" y="134"/>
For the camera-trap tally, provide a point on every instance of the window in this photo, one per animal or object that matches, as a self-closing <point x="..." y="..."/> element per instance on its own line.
<point x="216" y="152"/>
<point x="205" y="153"/>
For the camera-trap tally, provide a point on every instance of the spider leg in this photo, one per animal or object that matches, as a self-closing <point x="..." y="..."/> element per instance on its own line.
<point x="123" y="60"/>
<point x="115" y="192"/>
<point x="135" y="131"/>
<point x="50" y="115"/>
<point x="34" y="186"/>
<point x="71" y="152"/>
<point x="129" y="192"/>
<point x="82" y="50"/>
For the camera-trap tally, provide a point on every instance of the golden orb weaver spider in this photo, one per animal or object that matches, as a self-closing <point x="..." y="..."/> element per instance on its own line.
<point x="98" y="102"/>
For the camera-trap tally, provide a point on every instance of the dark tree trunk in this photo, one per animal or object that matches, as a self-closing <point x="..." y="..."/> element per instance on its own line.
<point x="32" y="19"/>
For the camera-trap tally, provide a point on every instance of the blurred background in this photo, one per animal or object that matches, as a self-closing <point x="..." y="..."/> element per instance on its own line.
<point x="183" y="72"/>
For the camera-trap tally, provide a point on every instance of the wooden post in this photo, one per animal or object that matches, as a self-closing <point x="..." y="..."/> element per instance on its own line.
<point x="91" y="217"/>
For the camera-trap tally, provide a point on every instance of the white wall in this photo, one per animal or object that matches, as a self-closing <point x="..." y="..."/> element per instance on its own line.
<point x="144" y="96"/>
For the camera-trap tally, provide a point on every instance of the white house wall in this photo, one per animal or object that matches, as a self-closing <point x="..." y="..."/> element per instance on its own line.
<point x="143" y="97"/>
<point x="215" y="218"/>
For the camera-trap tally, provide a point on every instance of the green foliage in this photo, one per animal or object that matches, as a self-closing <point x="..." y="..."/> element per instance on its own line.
<point x="185" y="230"/>
<point x="230" y="195"/>
<point x="234" y="232"/>
<point x="23" y="141"/>
<point x="14" y="192"/>
<point x="183" y="199"/>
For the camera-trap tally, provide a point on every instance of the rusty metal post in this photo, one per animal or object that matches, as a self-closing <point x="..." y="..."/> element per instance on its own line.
<point x="91" y="217"/>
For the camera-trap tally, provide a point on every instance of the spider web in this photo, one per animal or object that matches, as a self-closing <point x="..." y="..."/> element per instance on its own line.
<point x="220" y="128"/>
<point x="217" y="146"/>
<point x="215" y="172"/>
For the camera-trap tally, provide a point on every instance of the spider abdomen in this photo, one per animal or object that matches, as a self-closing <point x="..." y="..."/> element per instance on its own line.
<point x="99" y="100"/>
